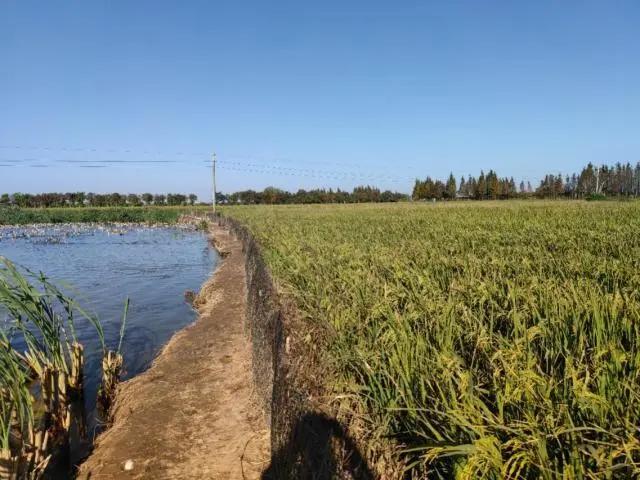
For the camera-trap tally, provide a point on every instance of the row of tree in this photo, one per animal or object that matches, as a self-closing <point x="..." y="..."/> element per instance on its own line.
<point x="616" y="180"/>
<point x="269" y="195"/>
<point x="485" y="186"/>
<point x="272" y="195"/>
<point x="79" y="199"/>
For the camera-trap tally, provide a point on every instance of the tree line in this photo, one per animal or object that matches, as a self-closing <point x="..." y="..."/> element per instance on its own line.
<point x="273" y="195"/>
<point x="81" y="199"/>
<point x="607" y="180"/>
<point x="270" y="195"/>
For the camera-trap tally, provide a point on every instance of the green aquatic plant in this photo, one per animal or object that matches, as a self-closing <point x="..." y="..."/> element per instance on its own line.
<point x="111" y="370"/>
<point x="23" y="447"/>
<point x="48" y="373"/>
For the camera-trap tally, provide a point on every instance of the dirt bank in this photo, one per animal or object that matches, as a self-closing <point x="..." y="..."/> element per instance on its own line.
<point x="192" y="414"/>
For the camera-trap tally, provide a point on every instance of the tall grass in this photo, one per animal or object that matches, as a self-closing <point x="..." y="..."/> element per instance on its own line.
<point x="111" y="369"/>
<point x="14" y="216"/>
<point x="493" y="341"/>
<point x="47" y="372"/>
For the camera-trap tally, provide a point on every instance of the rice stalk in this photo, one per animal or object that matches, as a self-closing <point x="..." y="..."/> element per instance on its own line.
<point x="486" y="341"/>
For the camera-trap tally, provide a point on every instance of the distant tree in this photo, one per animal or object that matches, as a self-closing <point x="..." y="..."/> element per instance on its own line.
<point x="363" y="194"/>
<point x="5" y="199"/>
<point x="438" y="190"/>
<point x="587" y="180"/>
<point x="147" y="198"/>
<point x="481" y="188"/>
<point x="558" y="186"/>
<point x="271" y="195"/>
<point x="193" y="198"/>
<point x="118" y="200"/>
<point x="429" y="190"/>
<point x="418" y="190"/>
<point x="493" y="185"/>
<point x="462" y="189"/>
<point x="513" y="191"/>
<point x="133" y="199"/>
<point x="451" y="189"/>
<point x="176" y="199"/>
<point x="472" y="186"/>
<point x="159" y="199"/>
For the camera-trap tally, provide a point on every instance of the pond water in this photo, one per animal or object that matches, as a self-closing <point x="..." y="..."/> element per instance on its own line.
<point x="153" y="266"/>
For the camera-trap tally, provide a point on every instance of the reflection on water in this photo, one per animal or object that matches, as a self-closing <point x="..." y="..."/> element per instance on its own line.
<point x="153" y="266"/>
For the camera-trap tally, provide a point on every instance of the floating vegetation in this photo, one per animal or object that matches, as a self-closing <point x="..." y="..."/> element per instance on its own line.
<point x="53" y="234"/>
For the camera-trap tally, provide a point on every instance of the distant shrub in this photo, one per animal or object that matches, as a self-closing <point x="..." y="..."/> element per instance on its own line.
<point x="597" y="197"/>
<point x="22" y="216"/>
<point x="203" y="225"/>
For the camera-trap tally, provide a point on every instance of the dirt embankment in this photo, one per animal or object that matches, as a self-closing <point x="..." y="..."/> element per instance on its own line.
<point x="193" y="413"/>
<point x="290" y="371"/>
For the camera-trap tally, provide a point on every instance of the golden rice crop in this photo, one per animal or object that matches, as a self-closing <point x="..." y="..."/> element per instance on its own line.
<point x="494" y="340"/>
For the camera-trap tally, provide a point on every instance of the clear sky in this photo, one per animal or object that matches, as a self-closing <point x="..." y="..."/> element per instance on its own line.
<point x="397" y="89"/>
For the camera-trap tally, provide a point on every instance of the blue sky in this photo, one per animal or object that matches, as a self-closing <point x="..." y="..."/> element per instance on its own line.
<point x="391" y="89"/>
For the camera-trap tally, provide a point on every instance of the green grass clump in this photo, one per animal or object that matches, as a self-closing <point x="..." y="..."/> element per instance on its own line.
<point x="47" y="372"/>
<point x="486" y="341"/>
<point x="15" y="216"/>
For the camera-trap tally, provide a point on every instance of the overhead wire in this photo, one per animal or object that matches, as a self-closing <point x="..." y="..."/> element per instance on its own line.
<point x="242" y="163"/>
<point x="325" y="175"/>
<point x="201" y="155"/>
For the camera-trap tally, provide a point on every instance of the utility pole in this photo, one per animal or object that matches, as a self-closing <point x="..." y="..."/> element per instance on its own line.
<point x="213" y="196"/>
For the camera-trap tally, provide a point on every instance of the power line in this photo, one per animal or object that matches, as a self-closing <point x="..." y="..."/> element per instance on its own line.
<point x="328" y="175"/>
<point x="253" y="158"/>
<point x="101" y="150"/>
<point x="314" y="172"/>
<point x="59" y="162"/>
<point x="40" y="165"/>
<point x="225" y="164"/>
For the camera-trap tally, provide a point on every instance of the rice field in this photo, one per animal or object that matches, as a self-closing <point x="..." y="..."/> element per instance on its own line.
<point x="494" y="340"/>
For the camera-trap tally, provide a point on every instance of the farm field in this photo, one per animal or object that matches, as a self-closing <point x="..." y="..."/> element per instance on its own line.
<point x="486" y="340"/>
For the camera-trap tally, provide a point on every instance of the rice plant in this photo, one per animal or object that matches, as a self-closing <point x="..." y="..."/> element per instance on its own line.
<point x="493" y="341"/>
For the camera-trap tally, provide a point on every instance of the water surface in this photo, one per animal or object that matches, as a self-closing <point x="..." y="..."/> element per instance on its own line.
<point x="151" y="265"/>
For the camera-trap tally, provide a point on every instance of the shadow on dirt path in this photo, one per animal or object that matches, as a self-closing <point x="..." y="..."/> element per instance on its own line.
<point x="318" y="448"/>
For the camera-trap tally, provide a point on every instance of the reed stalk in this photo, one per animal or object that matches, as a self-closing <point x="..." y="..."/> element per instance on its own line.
<point x="111" y="371"/>
<point x="44" y="319"/>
